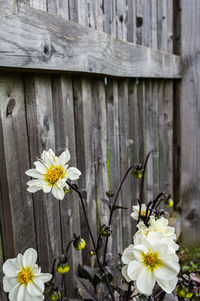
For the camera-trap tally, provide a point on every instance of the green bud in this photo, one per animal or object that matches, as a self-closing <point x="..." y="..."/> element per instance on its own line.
<point x="169" y="203"/>
<point x="79" y="243"/>
<point x="137" y="172"/>
<point x="55" y="295"/>
<point x="62" y="267"/>
<point x="66" y="191"/>
<point x="106" y="230"/>
<point x="91" y="253"/>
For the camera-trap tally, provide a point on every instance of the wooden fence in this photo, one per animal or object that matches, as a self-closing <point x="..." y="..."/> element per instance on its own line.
<point x="75" y="73"/>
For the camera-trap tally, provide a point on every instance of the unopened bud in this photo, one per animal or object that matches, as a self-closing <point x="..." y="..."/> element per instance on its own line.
<point x="55" y="295"/>
<point x="63" y="267"/>
<point x="137" y="171"/>
<point x="91" y="253"/>
<point x="169" y="203"/>
<point x="106" y="231"/>
<point x="66" y="191"/>
<point x="79" y="243"/>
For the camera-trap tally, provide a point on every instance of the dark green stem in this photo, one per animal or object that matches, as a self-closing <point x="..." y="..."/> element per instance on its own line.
<point x="112" y="208"/>
<point x="92" y="238"/>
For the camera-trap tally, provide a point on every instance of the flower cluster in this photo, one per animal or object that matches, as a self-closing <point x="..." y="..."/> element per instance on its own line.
<point x="23" y="279"/>
<point x="152" y="257"/>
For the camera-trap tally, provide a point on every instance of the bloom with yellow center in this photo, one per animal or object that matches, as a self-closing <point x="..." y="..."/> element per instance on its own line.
<point x="150" y="260"/>
<point x="51" y="173"/>
<point x="136" y="210"/>
<point x="23" y="279"/>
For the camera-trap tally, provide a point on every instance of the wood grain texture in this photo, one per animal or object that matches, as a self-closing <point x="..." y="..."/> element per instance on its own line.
<point x="190" y="110"/>
<point x="63" y="112"/>
<point x="55" y="44"/>
<point x="41" y="134"/>
<point x="16" y="155"/>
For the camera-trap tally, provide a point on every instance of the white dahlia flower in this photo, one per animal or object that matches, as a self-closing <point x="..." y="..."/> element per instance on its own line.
<point x="160" y="225"/>
<point x="150" y="260"/>
<point x="51" y="173"/>
<point x="136" y="209"/>
<point x="23" y="279"/>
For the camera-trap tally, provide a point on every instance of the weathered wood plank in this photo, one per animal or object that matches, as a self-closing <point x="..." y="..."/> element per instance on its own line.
<point x="131" y="21"/>
<point x="41" y="136"/>
<point x="77" y="49"/>
<point x="190" y="125"/>
<point x="16" y="155"/>
<point x="100" y="147"/>
<point x="3" y="295"/>
<point x="63" y="109"/>
<point x="113" y="159"/>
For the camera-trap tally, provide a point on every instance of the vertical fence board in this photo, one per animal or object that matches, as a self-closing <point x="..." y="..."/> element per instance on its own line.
<point x="40" y="125"/>
<point x="16" y="154"/>
<point x="63" y="110"/>
<point x="190" y="125"/>
<point x="113" y="158"/>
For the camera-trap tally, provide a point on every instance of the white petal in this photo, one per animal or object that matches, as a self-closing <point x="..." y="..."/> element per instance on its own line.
<point x="168" y="285"/>
<point x="152" y="235"/>
<point x="30" y="298"/>
<point x="64" y="157"/>
<point x="127" y="255"/>
<point x="20" y="261"/>
<point x="47" y="188"/>
<point x="47" y="160"/>
<point x="33" y="189"/>
<point x="29" y="258"/>
<point x="8" y="283"/>
<point x="167" y="270"/>
<point x="134" y="268"/>
<point x="124" y="273"/>
<point x="138" y="251"/>
<point x="34" y="174"/>
<point x="44" y="277"/>
<point x="73" y="173"/>
<point x="14" y="292"/>
<point x="145" y="282"/>
<point x="35" y="182"/>
<point x="58" y="192"/>
<point x="35" y="288"/>
<point x="40" y="167"/>
<point x="10" y="267"/>
<point x="21" y="293"/>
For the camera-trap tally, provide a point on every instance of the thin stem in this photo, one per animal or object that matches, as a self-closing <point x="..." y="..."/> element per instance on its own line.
<point x="144" y="169"/>
<point x="129" y="290"/>
<point x="68" y="246"/>
<point x="112" y="210"/>
<point x="92" y="238"/>
<point x="53" y="268"/>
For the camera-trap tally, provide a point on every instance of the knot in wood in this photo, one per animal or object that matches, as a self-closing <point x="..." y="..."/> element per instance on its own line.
<point x="10" y="107"/>
<point x="139" y="21"/>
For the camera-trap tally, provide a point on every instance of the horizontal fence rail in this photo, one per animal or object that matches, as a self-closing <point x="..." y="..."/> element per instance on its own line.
<point x="32" y="39"/>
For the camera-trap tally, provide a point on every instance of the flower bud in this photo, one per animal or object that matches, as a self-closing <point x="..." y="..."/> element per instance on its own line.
<point x="79" y="243"/>
<point x="55" y="295"/>
<point x="169" y="202"/>
<point x="110" y="194"/>
<point x="91" y="253"/>
<point x="106" y="231"/>
<point x="66" y="191"/>
<point x="137" y="171"/>
<point x="63" y="267"/>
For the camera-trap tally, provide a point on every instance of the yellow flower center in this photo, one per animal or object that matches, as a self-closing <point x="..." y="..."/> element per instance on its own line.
<point x="25" y="276"/>
<point x="151" y="260"/>
<point x="143" y="213"/>
<point x="54" y="174"/>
